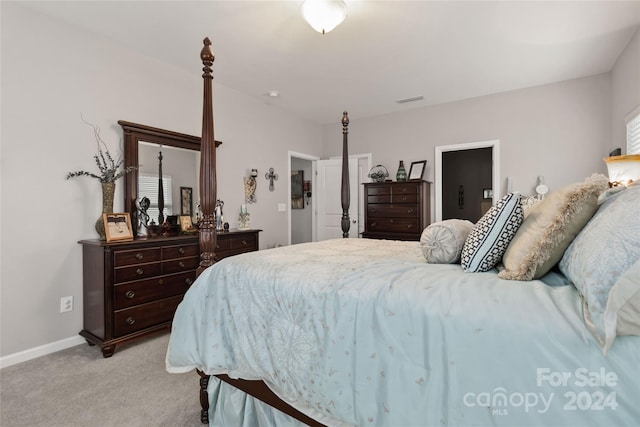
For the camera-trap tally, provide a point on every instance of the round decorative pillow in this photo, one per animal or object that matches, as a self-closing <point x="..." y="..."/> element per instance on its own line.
<point x="442" y="242"/>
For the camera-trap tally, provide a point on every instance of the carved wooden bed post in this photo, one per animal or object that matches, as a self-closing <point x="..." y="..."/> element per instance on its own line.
<point x="207" y="194"/>
<point x="207" y="165"/>
<point x="257" y="389"/>
<point x="344" y="190"/>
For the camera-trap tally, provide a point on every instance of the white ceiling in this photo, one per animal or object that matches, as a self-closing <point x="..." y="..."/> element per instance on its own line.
<point x="384" y="50"/>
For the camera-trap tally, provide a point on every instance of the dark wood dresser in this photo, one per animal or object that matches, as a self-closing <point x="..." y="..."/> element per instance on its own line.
<point x="396" y="210"/>
<point x="131" y="289"/>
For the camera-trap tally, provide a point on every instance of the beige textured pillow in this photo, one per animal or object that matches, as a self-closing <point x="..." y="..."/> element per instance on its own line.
<point x="549" y="228"/>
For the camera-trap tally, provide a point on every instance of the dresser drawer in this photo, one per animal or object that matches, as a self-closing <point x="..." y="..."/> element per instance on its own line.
<point x="143" y="316"/>
<point x="137" y="272"/>
<point x="181" y="251"/>
<point x="378" y="190"/>
<point x="408" y="188"/>
<point x="179" y="265"/>
<point x="406" y="210"/>
<point x="238" y="244"/>
<point x="143" y="291"/>
<point x="379" y="198"/>
<point x="404" y="198"/>
<point x="395" y="225"/>
<point x="223" y="244"/>
<point x="138" y="256"/>
<point x="246" y="242"/>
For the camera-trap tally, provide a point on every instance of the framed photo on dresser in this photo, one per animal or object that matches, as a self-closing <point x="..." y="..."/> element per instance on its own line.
<point x="417" y="169"/>
<point x="186" y="225"/>
<point x="117" y="226"/>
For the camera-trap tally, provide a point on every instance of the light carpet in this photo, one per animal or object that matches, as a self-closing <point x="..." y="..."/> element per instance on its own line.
<point x="78" y="387"/>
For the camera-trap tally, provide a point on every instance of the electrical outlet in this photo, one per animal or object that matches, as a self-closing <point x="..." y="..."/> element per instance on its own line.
<point x="66" y="304"/>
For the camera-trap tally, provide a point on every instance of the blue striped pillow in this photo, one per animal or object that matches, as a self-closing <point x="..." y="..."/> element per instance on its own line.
<point x="491" y="235"/>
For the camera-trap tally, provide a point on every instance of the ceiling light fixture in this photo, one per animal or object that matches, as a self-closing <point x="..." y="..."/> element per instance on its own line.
<point x="324" y="15"/>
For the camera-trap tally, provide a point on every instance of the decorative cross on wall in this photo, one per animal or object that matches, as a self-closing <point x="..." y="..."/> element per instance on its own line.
<point x="271" y="176"/>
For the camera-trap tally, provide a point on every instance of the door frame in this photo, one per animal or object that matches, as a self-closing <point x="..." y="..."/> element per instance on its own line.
<point x="367" y="159"/>
<point x="303" y="156"/>
<point x="495" y="168"/>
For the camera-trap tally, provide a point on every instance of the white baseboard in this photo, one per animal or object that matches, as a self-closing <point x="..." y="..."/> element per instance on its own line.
<point x="32" y="353"/>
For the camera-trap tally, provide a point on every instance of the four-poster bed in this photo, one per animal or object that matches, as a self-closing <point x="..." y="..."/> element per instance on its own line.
<point x="365" y="332"/>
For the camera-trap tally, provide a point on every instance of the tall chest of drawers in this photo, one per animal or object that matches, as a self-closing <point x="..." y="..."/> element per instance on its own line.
<point x="396" y="210"/>
<point x="131" y="289"/>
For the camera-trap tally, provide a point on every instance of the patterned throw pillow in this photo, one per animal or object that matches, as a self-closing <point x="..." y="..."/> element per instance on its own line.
<point x="442" y="242"/>
<point x="490" y="237"/>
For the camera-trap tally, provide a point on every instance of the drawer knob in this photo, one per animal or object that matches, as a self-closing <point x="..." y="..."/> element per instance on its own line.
<point x="160" y="282"/>
<point x="130" y="294"/>
<point x="130" y="320"/>
<point x="181" y="264"/>
<point x="139" y="272"/>
<point x="374" y="210"/>
<point x="188" y="281"/>
<point x="409" y="225"/>
<point x="391" y="220"/>
<point x="244" y="242"/>
<point x="139" y="255"/>
<point x="409" y="210"/>
<point x="181" y="250"/>
<point x="373" y="224"/>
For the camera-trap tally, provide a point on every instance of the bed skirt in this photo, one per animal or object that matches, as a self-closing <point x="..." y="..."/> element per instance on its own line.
<point x="229" y="406"/>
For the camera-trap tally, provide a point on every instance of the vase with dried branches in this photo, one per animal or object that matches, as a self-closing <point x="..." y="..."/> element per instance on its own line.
<point x="109" y="171"/>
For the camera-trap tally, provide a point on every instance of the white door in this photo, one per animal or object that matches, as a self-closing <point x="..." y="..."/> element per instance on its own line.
<point x="329" y="203"/>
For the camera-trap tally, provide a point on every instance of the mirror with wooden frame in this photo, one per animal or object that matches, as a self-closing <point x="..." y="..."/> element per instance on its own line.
<point x="180" y="159"/>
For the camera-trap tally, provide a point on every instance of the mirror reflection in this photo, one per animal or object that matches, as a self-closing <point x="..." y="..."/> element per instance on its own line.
<point x="180" y="169"/>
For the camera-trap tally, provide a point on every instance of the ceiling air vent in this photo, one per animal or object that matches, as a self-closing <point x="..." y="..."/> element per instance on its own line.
<point x="405" y="100"/>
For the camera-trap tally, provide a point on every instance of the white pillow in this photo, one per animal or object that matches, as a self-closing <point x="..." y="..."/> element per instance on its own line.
<point x="442" y="242"/>
<point x="490" y="237"/>
<point x="600" y="256"/>
<point x="622" y="315"/>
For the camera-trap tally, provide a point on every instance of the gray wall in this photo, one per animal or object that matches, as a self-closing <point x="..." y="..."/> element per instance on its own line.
<point x="560" y="131"/>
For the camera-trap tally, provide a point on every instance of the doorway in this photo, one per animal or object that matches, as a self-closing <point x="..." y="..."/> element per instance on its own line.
<point x="298" y="228"/>
<point x="467" y="178"/>
<point x="301" y="217"/>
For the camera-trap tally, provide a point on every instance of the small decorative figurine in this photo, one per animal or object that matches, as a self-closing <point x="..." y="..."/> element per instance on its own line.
<point x="218" y="215"/>
<point x="244" y="218"/>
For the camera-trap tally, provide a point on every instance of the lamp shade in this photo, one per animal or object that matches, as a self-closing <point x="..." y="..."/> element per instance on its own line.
<point x="324" y="15"/>
<point x="623" y="170"/>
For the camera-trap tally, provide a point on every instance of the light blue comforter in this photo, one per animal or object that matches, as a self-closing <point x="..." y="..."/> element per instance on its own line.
<point x="364" y="332"/>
